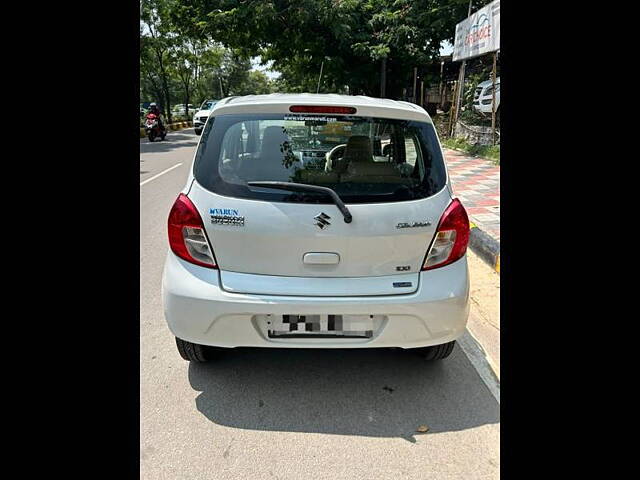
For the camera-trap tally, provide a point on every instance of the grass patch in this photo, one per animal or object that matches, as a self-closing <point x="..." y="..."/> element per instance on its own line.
<point x="491" y="152"/>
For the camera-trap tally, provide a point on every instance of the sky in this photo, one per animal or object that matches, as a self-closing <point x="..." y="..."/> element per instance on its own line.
<point x="445" y="49"/>
<point x="255" y="63"/>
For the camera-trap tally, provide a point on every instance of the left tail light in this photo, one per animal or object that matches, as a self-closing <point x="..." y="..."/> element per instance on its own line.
<point x="187" y="237"/>
<point x="452" y="237"/>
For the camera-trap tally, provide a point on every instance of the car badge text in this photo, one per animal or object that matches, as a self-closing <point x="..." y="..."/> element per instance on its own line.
<point x="413" y="225"/>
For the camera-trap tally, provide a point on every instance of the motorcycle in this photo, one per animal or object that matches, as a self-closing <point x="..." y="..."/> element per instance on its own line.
<point x="152" y="127"/>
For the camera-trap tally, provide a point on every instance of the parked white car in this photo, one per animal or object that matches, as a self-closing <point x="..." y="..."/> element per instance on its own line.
<point x="483" y="96"/>
<point x="182" y="109"/>
<point x="297" y="228"/>
<point x="200" y="117"/>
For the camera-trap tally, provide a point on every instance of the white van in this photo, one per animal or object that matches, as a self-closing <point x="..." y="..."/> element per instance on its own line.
<point x="317" y="221"/>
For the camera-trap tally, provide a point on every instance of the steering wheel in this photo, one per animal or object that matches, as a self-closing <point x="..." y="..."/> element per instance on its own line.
<point x="338" y="149"/>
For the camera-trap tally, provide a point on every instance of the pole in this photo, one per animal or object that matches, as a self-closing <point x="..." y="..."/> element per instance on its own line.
<point x="453" y="108"/>
<point x="422" y="93"/>
<point x="415" y="79"/>
<point x="440" y="91"/>
<point x="321" y="66"/>
<point x="383" y="77"/>
<point x="493" y="101"/>
<point x="461" y="78"/>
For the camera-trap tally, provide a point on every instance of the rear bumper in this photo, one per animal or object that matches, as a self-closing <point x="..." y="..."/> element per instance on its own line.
<point x="198" y="310"/>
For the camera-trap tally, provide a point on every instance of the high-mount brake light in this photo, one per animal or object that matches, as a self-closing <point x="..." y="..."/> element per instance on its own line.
<point x="452" y="237"/>
<point x="187" y="237"/>
<point x="322" y="109"/>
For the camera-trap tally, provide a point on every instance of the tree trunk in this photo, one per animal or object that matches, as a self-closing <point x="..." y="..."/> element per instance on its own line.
<point x="165" y="85"/>
<point x="186" y="103"/>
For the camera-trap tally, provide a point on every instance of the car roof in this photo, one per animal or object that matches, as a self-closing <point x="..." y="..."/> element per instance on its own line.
<point x="280" y="102"/>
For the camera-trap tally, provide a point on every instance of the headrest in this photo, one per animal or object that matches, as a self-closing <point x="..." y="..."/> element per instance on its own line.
<point x="358" y="149"/>
<point x="273" y="138"/>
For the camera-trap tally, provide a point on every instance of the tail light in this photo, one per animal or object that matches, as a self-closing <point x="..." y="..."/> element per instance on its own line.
<point x="452" y="237"/>
<point x="187" y="237"/>
<point x="322" y="109"/>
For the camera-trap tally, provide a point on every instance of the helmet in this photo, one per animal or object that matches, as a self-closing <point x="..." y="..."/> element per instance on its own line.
<point x="153" y="104"/>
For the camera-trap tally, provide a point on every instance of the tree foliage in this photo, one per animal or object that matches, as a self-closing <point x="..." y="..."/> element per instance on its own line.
<point x="346" y="38"/>
<point x="179" y="66"/>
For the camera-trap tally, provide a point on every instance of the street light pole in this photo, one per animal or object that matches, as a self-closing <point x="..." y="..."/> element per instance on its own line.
<point x="320" y="76"/>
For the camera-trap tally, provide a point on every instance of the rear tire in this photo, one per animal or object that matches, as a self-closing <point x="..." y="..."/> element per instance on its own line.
<point x="152" y="136"/>
<point x="198" y="131"/>
<point x="437" y="352"/>
<point x="193" y="352"/>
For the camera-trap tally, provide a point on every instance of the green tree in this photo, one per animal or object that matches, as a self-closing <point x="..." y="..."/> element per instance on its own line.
<point x="156" y="43"/>
<point x="351" y="37"/>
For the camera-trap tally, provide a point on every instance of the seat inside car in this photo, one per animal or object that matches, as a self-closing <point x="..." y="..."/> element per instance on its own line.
<point x="358" y="149"/>
<point x="275" y="160"/>
<point x="359" y="165"/>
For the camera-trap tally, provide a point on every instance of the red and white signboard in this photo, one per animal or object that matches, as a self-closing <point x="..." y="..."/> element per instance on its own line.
<point x="479" y="33"/>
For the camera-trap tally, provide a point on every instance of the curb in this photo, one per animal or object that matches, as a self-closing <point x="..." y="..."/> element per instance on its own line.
<point x="485" y="246"/>
<point x="171" y="126"/>
<point x="473" y="156"/>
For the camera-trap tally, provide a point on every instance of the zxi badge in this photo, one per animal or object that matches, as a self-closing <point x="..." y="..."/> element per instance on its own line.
<point x="322" y="220"/>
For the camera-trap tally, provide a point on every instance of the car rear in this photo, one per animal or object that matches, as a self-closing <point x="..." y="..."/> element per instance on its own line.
<point x="483" y="96"/>
<point x="260" y="259"/>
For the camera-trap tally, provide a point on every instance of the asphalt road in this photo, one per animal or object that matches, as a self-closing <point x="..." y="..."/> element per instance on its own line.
<point x="300" y="413"/>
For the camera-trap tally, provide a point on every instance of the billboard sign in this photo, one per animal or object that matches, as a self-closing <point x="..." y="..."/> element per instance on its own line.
<point x="479" y="33"/>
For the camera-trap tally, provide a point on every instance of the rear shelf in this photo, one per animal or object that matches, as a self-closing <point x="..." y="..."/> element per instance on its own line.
<point x="319" y="286"/>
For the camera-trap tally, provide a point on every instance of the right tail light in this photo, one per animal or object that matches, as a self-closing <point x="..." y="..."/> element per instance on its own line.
<point x="452" y="237"/>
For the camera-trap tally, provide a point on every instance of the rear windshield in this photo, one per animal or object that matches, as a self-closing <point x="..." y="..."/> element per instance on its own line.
<point x="365" y="160"/>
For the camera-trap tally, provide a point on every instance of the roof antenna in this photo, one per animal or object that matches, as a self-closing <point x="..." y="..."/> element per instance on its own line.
<point x="322" y="65"/>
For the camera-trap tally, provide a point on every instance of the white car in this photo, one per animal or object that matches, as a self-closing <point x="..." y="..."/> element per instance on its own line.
<point x="285" y="237"/>
<point x="200" y="117"/>
<point x="483" y="96"/>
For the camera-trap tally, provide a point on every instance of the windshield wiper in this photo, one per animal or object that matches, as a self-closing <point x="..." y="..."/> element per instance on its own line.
<point x="303" y="187"/>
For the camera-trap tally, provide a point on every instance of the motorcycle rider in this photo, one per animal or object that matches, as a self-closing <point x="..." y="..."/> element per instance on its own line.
<point x="153" y="108"/>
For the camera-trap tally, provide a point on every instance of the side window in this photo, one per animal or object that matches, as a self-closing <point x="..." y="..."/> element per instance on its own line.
<point x="411" y="150"/>
<point x="413" y="165"/>
<point x="232" y="144"/>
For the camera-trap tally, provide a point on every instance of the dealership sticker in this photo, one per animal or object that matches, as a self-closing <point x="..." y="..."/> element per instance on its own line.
<point x="226" y="216"/>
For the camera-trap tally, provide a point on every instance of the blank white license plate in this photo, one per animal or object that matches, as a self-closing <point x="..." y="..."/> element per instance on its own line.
<point x="322" y="326"/>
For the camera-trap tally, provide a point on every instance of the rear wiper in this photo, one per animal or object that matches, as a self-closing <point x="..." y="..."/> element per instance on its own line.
<point x="303" y="187"/>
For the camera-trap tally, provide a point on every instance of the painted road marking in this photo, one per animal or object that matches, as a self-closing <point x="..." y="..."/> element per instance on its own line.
<point x="481" y="362"/>
<point x="161" y="173"/>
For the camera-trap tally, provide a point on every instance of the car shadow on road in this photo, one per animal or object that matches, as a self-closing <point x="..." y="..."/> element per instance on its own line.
<point x="173" y="140"/>
<point x="369" y="392"/>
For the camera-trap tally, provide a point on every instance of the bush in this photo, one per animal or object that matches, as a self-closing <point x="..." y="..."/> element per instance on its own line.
<point x="471" y="117"/>
<point x="491" y="152"/>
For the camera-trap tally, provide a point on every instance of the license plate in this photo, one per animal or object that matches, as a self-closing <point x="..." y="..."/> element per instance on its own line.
<point x="321" y="326"/>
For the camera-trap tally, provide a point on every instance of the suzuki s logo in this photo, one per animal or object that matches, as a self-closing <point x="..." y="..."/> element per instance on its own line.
<point x="322" y="220"/>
